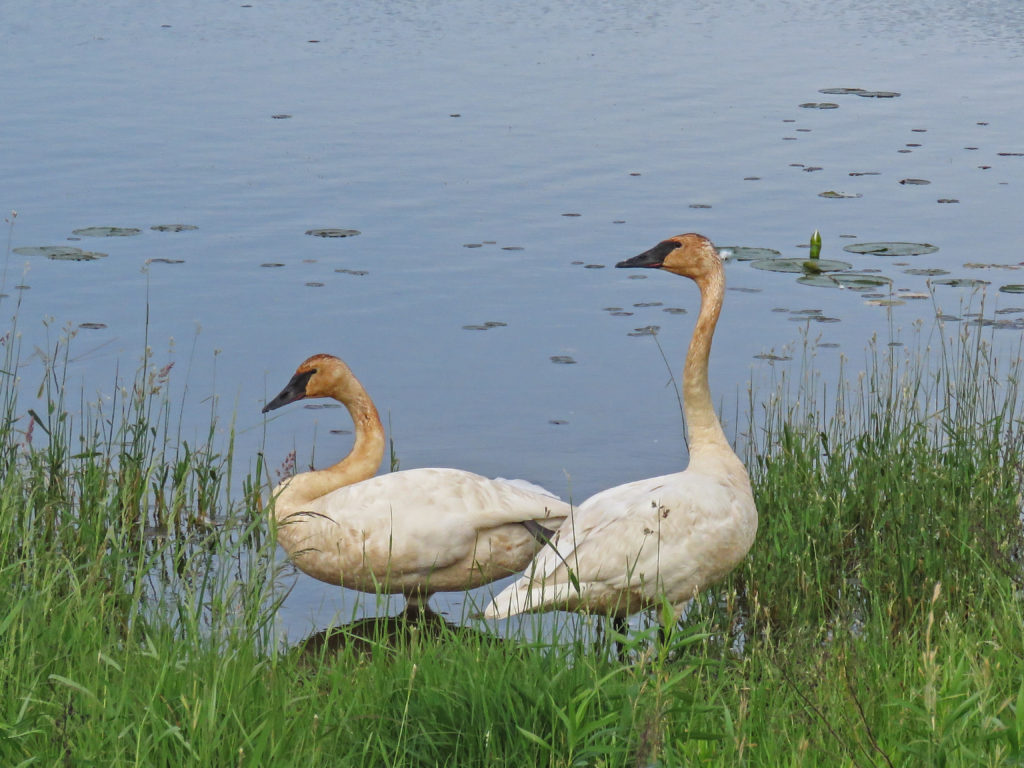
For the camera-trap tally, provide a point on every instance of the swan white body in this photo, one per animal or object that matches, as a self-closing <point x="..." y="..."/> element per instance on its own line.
<point x="628" y="547"/>
<point x="415" y="532"/>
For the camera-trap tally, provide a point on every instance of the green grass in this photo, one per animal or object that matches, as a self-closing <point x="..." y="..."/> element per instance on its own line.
<point x="876" y="622"/>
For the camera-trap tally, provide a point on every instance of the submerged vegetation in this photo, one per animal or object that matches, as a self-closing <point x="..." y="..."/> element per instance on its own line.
<point x="877" y="621"/>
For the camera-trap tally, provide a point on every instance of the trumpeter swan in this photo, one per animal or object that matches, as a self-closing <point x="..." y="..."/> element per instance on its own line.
<point x="414" y="532"/>
<point x="628" y="547"/>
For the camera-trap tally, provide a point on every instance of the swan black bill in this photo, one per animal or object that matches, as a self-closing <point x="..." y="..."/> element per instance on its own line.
<point x="653" y="258"/>
<point x="293" y="390"/>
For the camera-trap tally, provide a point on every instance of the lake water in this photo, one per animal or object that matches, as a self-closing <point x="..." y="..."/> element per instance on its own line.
<point x="456" y="137"/>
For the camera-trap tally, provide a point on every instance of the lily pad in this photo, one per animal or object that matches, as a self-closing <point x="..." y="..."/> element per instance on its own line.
<point x="831" y="194"/>
<point x="744" y="253"/>
<point x="840" y="91"/>
<point x="915" y="182"/>
<point x="852" y="281"/>
<point x="891" y="249"/>
<point x="819" y="105"/>
<point x="333" y="232"/>
<point x="804" y="266"/>
<point x="1014" y="288"/>
<point x="174" y="227"/>
<point x="960" y="282"/>
<point x="563" y="359"/>
<point x="933" y="272"/>
<point x="107" y="232"/>
<point x="878" y="94"/>
<point x="60" y="253"/>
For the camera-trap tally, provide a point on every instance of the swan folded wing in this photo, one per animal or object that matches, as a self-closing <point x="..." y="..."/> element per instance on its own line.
<point x="629" y="543"/>
<point x="421" y="520"/>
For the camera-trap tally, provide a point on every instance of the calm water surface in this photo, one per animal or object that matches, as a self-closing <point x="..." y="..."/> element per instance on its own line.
<point x="432" y="127"/>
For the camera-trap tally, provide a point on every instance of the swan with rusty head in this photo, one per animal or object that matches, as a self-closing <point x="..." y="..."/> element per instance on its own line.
<point x="630" y="547"/>
<point x="414" y="532"/>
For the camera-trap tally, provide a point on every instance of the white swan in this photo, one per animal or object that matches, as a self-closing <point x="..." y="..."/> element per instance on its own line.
<point x="415" y="532"/>
<point x="627" y="547"/>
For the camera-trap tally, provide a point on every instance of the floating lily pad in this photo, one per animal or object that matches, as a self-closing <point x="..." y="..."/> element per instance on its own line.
<point x="915" y="182"/>
<point x="674" y="310"/>
<point x="563" y="359"/>
<point x="106" y="232"/>
<point x="648" y="304"/>
<point x="820" y="105"/>
<point x="356" y="272"/>
<point x="960" y="282"/>
<point x="743" y="253"/>
<point x="878" y="94"/>
<point x="92" y="326"/>
<point x="884" y="302"/>
<point x="805" y="266"/>
<point x="983" y="265"/>
<point x="486" y="326"/>
<point x="772" y="358"/>
<point x="333" y="232"/>
<point x="933" y="272"/>
<point x="174" y="227"/>
<point x="831" y="194"/>
<point x="840" y="91"/>
<point x="647" y="330"/>
<point x="850" y="280"/>
<point x="891" y="249"/>
<point x="814" y="318"/>
<point x="1015" y="288"/>
<point x="593" y="266"/>
<point x="162" y="260"/>
<point x="60" y="253"/>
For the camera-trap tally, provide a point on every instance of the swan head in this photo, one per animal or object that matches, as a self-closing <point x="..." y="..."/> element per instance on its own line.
<point x="318" y="376"/>
<point x="690" y="255"/>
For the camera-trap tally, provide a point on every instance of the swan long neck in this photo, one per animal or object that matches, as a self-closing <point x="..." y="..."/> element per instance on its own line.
<point x="703" y="427"/>
<point x="361" y="463"/>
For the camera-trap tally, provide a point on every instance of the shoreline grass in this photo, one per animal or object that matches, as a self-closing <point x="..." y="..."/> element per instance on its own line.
<point x="877" y="621"/>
